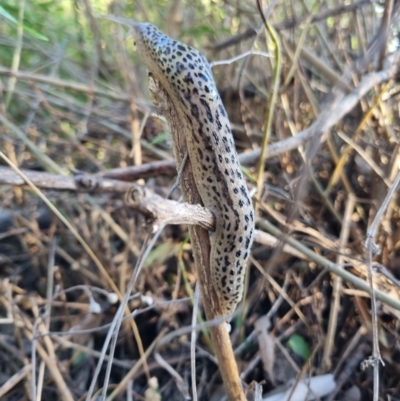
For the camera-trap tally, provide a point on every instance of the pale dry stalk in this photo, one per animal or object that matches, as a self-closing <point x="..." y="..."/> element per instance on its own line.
<point x="200" y="241"/>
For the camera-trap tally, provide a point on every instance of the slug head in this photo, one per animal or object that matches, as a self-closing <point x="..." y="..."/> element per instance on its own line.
<point x="173" y="63"/>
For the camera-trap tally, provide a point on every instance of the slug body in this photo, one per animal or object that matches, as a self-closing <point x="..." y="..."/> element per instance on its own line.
<point x="186" y="76"/>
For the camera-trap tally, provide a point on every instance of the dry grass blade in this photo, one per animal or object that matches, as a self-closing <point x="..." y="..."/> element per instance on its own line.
<point x="79" y="126"/>
<point x="337" y="286"/>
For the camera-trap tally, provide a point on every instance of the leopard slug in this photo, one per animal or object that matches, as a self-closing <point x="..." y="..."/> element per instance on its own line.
<point x="186" y="76"/>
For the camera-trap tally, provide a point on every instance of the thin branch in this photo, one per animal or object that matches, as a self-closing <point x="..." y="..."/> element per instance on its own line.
<point x="239" y="57"/>
<point x="288" y="24"/>
<point x="81" y="182"/>
<point x="332" y="267"/>
<point x="80" y="239"/>
<point x="293" y="247"/>
<point x="332" y="113"/>
<point x="337" y="287"/>
<point x="384" y="30"/>
<point x="73" y="230"/>
<point x="193" y="338"/>
<point x="27" y="76"/>
<point x="159" y="211"/>
<point x="271" y="103"/>
<point x="117" y="321"/>
<point x="369" y="242"/>
<point x="201" y="251"/>
<point x="373" y="248"/>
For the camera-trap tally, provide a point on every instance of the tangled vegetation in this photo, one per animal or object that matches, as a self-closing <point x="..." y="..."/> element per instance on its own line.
<point x="314" y="101"/>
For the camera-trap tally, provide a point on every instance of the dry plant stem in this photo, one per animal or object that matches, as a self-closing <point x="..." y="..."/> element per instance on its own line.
<point x="318" y="64"/>
<point x="337" y="286"/>
<point x="288" y="24"/>
<point x="307" y="168"/>
<point x="98" y="183"/>
<point x="135" y="369"/>
<point x="146" y="170"/>
<point x="129" y="393"/>
<point x="26" y="76"/>
<point x="65" y="221"/>
<point x="43" y="159"/>
<point x="116" y="323"/>
<point x="17" y="52"/>
<point x="50" y="360"/>
<point x="357" y="282"/>
<point x="14" y="380"/>
<point x="49" y="297"/>
<point x="150" y="202"/>
<point x="272" y="101"/>
<point x="117" y="229"/>
<point x="374" y="166"/>
<point x="342" y="366"/>
<point x="6" y="290"/>
<point x="193" y="341"/>
<point x="239" y="57"/>
<point x="33" y="364"/>
<point x="96" y="260"/>
<point x="296" y="54"/>
<point x="40" y="326"/>
<point x="333" y="112"/>
<point x="159" y="211"/>
<point x="344" y="154"/>
<point x="179" y="382"/>
<point x="219" y="335"/>
<point x="369" y="243"/>
<point x="372" y="248"/>
<point x="384" y="30"/>
<point x="39" y="387"/>
<point x="201" y="252"/>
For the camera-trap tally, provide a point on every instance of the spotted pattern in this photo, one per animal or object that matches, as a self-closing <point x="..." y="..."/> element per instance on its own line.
<point x="186" y="75"/>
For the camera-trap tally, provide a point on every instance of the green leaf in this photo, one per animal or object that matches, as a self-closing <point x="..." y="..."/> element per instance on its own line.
<point x="4" y="13"/>
<point x="299" y="346"/>
<point x="161" y="253"/>
<point x="160" y="138"/>
<point x="78" y="357"/>
<point x="35" y="34"/>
